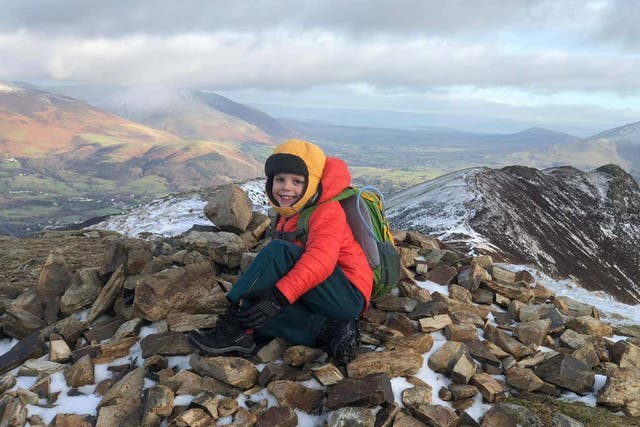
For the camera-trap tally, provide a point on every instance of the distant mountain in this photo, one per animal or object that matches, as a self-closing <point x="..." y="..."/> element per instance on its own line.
<point x="260" y="119"/>
<point x="186" y="113"/>
<point x="629" y="133"/>
<point x="61" y="157"/>
<point x="568" y="222"/>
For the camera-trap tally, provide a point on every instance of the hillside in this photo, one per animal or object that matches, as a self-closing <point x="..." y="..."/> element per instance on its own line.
<point x="570" y="223"/>
<point x="65" y="160"/>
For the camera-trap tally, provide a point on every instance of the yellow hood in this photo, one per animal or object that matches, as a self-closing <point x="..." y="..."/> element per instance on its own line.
<point x="314" y="158"/>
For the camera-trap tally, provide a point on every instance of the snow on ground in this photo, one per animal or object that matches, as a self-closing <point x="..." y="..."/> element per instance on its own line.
<point x="611" y="311"/>
<point x="174" y="214"/>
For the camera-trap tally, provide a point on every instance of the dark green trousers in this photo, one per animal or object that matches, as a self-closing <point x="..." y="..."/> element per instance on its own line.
<point x="300" y="322"/>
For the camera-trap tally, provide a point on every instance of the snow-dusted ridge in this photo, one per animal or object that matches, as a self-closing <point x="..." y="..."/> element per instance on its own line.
<point x="173" y="214"/>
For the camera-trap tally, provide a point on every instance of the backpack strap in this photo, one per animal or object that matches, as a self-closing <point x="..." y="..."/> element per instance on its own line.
<point x="302" y="228"/>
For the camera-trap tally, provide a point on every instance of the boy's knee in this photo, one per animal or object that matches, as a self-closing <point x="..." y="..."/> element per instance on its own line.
<point x="283" y="246"/>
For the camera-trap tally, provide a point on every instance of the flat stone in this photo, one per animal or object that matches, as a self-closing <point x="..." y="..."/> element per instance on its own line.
<point x="165" y="344"/>
<point x="107" y="294"/>
<point x="462" y="391"/>
<point x="482" y="296"/>
<point x="103" y="330"/>
<point x="420" y="343"/>
<point x="273" y="350"/>
<point x="300" y="355"/>
<point x="428" y="309"/>
<point x="395" y="303"/>
<point x="466" y="318"/>
<point x="158" y="400"/>
<point x="567" y="372"/>
<point x="507" y="343"/>
<point x="187" y="382"/>
<point x="352" y="417"/>
<point x="34" y="368"/>
<point x="400" y="322"/>
<point x="590" y="326"/>
<point x="532" y="333"/>
<point x="130" y="328"/>
<point x="463" y="369"/>
<point x="185" y="322"/>
<point x="443" y="359"/>
<point x="460" y="333"/>
<point x="442" y="274"/>
<point x="280" y="371"/>
<point x="82" y="292"/>
<point x="368" y="391"/>
<point x="573" y="308"/>
<point x="195" y="417"/>
<point x="386" y="416"/>
<point x="235" y="371"/>
<point x="416" y="396"/>
<point x="436" y="415"/>
<point x="413" y="291"/>
<point x="72" y="420"/>
<point x="523" y="379"/>
<point x="625" y="354"/>
<point x="59" y="350"/>
<point x="471" y="277"/>
<point x="327" y="374"/>
<point x="296" y="395"/>
<point x="395" y="363"/>
<point x="489" y="387"/>
<point x="518" y="291"/>
<point x="459" y="293"/>
<point x="80" y="373"/>
<point x="506" y="414"/>
<point x="7" y="381"/>
<point x="502" y="274"/>
<point x="106" y="351"/>
<point x="622" y="391"/>
<point x="129" y="388"/>
<point x="435" y="323"/>
<point x="14" y="414"/>
<point x="278" y="417"/>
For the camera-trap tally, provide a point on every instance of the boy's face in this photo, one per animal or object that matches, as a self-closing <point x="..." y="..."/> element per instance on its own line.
<point x="287" y="188"/>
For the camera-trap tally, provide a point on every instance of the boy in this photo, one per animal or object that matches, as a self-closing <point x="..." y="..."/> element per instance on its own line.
<point x="312" y="293"/>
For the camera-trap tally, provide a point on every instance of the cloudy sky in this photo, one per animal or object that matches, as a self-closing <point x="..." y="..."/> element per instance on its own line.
<point x="572" y="66"/>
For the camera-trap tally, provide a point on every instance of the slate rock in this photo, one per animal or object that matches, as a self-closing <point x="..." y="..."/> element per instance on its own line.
<point x="165" y="344"/>
<point x="278" y="417"/>
<point x="367" y="392"/>
<point x="507" y="415"/>
<point x="351" y="417"/>
<point x="567" y="372"/>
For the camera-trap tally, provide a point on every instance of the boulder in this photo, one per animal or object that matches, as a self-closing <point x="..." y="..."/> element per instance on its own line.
<point x="223" y="248"/>
<point x="189" y="289"/>
<point x="622" y="391"/>
<point x="229" y="208"/>
<point x="567" y="372"/>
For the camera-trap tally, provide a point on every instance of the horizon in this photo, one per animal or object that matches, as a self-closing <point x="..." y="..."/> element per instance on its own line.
<point x="497" y="67"/>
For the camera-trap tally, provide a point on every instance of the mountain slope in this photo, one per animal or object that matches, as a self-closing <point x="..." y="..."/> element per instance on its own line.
<point x="61" y="158"/>
<point x="568" y="222"/>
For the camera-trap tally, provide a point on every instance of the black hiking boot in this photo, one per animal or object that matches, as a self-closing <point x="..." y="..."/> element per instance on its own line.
<point x="340" y="338"/>
<point x="227" y="337"/>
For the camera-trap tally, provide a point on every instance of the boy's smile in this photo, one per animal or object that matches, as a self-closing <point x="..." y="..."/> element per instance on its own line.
<point x="288" y="188"/>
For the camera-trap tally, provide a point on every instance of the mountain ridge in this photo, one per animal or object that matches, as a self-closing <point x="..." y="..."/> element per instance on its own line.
<point x="566" y="221"/>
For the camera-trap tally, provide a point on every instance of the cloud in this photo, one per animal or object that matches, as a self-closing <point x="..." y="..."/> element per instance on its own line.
<point x="282" y="59"/>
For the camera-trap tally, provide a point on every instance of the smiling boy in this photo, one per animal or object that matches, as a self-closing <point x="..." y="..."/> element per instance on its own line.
<point x="309" y="293"/>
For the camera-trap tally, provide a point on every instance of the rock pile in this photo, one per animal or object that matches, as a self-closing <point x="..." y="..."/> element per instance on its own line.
<point x="505" y="335"/>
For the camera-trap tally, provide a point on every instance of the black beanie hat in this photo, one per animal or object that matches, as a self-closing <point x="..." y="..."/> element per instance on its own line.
<point x="285" y="163"/>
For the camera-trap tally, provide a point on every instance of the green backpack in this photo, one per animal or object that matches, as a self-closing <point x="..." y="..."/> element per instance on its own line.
<point x="364" y="209"/>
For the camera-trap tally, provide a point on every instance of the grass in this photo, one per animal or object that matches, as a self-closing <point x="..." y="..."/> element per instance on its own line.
<point x="589" y="416"/>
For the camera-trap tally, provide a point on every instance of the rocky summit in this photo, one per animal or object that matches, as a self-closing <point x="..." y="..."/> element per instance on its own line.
<point x="495" y="335"/>
<point x="569" y="223"/>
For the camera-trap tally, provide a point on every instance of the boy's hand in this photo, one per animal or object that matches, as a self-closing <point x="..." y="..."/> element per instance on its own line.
<point x="265" y="304"/>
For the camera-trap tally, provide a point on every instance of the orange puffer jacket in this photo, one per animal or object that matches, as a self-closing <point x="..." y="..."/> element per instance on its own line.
<point x="330" y="242"/>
